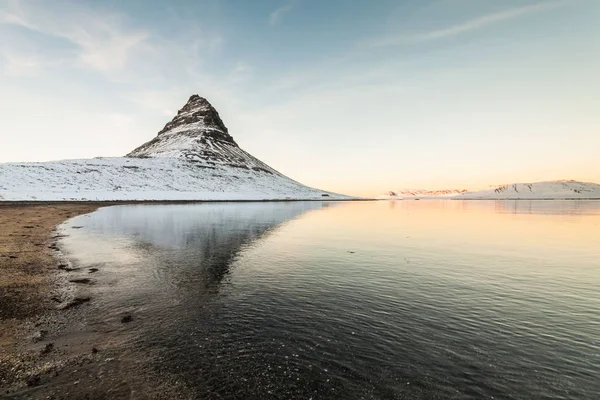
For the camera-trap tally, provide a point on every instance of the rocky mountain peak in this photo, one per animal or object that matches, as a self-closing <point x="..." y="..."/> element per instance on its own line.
<point x="197" y="114"/>
<point x="192" y="133"/>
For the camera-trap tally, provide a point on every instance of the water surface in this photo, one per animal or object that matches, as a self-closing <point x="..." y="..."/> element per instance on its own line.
<point x="373" y="300"/>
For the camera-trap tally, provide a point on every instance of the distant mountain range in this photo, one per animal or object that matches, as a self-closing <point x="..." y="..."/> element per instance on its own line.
<point x="192" y="158"/>
<point x="422" y="193"/>
<point x="565" y="189"/>
<point x="539" y="190"/>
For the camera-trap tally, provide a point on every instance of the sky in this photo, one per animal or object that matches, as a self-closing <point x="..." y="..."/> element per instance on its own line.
<point x="345" y="95"/>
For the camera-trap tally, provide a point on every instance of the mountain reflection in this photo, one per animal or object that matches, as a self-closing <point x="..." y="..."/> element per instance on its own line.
<point x="193" y="245"/>
<point x="547" y="207"/>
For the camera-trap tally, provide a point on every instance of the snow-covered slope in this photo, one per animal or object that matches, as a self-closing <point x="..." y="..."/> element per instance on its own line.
<point x="192" y="158"/>
<point x="539" y="190"/>
<point x="421" y="194"/>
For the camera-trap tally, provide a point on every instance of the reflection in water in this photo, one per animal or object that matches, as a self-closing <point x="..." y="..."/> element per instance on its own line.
<point x="373" y="300"/>
<point x="564" y="207"/>
<point x="198" y="240"/>
<point x="542" y="207"/>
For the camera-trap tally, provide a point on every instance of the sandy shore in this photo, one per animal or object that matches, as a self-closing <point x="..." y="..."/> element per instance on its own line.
<point x="45" y="350"/>
<point x="26" y="256"/>
<point x="27" y="285"/>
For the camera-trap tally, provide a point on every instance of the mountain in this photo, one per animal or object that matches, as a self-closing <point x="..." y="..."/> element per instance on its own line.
<point x="539" y="190"/>
<point x="192" y="158"/>
<point x="197" y="134"/>
<point x="421" y="194"/>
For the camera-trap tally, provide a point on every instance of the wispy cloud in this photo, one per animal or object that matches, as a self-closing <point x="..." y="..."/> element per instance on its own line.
<point x="109" y="53"/>
<point x="103" y="41"/>
<point x="18" y="65"/>
<point x="14" y="19"/>
<point x="277" y="16"/>
<point x="473" y="24"/>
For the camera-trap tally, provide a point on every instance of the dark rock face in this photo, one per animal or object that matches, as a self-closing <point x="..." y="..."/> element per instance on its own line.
<point x="199" y="110"/>
<point x="197" y="119"/>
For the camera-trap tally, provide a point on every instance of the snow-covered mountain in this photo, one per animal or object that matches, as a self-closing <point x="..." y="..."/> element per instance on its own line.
<point x="539" y="190"/>
<point x="192" y="158"/>
<point x="422" y="194"/>
<point x="197" y="134"/>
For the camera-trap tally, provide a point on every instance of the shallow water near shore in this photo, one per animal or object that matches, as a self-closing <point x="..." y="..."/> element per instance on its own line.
<point x="351" y="300"/>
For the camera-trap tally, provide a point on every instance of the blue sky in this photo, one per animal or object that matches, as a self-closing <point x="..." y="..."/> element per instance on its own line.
<point x="354" y="96"/>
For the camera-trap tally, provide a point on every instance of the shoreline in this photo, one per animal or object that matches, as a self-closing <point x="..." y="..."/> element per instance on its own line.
<point x="106" y="203"/>
<point x="28" y="281"/>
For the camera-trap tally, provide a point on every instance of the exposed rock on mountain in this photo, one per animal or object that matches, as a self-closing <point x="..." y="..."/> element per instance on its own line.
<point x="198" y="134"/>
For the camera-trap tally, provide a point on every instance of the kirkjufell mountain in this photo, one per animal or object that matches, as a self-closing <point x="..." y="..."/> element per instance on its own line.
<point x="192" y="158"/>
<point x="198" y="134"/>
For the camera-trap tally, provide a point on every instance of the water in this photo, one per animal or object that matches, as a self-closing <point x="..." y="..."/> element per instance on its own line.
<point x="360" y="300"/>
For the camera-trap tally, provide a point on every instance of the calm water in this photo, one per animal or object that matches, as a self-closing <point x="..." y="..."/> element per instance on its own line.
<point x="373" y="300"/>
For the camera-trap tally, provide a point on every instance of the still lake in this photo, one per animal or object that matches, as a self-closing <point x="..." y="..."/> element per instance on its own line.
<point x="355" y="300"/>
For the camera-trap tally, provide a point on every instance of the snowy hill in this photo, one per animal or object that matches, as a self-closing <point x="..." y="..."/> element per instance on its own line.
<point x="421" y="194"/>
<point x="539" y="190"/>
<point x="192" y="158"/>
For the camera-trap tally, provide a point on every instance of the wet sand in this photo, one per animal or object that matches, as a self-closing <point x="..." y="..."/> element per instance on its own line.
<point x="26" y="256"/>
<point x="45" y="349"/>
<point x="27" y="281"/>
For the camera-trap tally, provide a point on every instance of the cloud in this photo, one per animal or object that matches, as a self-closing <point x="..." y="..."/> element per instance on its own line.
<point x="277" y="16"/>
<point x="18" y="65"/>
<point x="102" y="40"/>
<point x="111" y="53"/>
<point x="470" y="25"/>
<point x="12" y="19"/>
